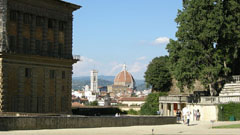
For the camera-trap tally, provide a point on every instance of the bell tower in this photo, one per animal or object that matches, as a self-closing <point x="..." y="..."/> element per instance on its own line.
<point x="94" y="81"/>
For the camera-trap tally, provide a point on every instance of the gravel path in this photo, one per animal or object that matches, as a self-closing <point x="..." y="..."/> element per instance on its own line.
<point x="195" y="128"/>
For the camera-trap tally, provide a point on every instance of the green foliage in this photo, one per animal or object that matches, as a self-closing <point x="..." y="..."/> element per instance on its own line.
<point x="94" y="103"/>
<point x="158" y="75"/>
<point x="208" y="42"/>
<point x="151" y="105"/>
<point x="133" y="112"/>
<point x="228" y="126"/>
<point x="228" y="110"/>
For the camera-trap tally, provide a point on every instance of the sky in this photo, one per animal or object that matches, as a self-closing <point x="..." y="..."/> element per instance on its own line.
<point x="110" y="33"/>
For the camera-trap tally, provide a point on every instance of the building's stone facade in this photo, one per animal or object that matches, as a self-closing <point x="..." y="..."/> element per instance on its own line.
<point x="36" y="56"/>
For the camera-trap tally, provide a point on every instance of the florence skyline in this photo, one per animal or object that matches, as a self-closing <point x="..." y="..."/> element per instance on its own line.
<point x="108" y="34"/>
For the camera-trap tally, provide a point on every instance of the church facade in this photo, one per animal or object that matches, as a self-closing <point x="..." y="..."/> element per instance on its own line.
<point x="36" y="56"/>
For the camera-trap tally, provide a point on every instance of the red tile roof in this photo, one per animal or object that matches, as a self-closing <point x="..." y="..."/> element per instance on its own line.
<point x="132" y="99"/>
<point x="124" y="76"/>
<point x="76" y="104"/>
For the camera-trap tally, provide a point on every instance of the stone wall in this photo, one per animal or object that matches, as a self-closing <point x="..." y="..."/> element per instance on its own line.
<point x="3" y="21"/>
<point x="58" y="122"/>
<point x="39" y="27"/>
<point x="29" y="86"/>
<point x="36" y="56"/>
<point x="208" y="111"/>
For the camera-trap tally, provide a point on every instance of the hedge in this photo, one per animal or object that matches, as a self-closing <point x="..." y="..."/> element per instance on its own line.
<point x="96" y="111"/>
<point x="230" y="111"/>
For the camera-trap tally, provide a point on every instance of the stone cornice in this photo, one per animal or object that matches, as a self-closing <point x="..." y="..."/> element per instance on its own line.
<point x="37" y="60"/>
<point x="41" y="9"/>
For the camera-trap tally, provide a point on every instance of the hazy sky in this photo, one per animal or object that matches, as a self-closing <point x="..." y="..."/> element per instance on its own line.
<point x="109" y="33"/>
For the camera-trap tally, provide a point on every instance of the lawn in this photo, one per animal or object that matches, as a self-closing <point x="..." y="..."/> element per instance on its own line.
<point x="228" y="126"/>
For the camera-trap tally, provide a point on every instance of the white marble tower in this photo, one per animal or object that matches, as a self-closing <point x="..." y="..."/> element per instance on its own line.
<point x="94" y="81"/>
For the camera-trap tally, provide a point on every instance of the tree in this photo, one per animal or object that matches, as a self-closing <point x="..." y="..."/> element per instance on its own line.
<point x="151" y="105"/>
<point x="158" y="75"/>
<point x="207" y="45"/>
<point x="94" y="103"/>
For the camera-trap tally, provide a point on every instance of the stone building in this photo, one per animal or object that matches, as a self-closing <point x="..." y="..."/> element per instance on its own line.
<point x="124" y="84"/>
<point x="206" y="104"/>
<point x="94" y="81"/>
<point x="36" y="56"/>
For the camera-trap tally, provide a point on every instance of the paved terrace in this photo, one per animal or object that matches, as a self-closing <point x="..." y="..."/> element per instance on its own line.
<point x="196" y="128"/>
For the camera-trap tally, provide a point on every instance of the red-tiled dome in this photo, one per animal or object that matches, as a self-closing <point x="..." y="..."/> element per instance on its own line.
<point x="124" y="78"/>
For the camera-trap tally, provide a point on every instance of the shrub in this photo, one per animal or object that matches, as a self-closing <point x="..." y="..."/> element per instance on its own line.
<point x="133" y="112"/>
<point x="151" y="105"/>
<point x="228" y="110"/>
<point x="94" y="103"/>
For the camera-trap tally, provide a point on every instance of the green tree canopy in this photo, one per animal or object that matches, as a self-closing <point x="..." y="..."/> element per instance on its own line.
<point x="208" y="41"/>
<point x="158" y="75"/>
<point x="151" y="106"/>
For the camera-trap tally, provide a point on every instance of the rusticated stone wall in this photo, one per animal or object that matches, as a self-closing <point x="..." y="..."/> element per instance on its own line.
<point x="39" y="90"/>
<point x="36" y="56"/>
<point x="3" y="24"/>
<point x="58" y="122"/>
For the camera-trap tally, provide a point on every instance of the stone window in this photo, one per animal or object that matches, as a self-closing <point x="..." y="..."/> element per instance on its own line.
<point x="26" y="45"/>
<point x="28" y="72"/>
<point x="60" y="49"/>
<point x="27" y="19"/>
<point x="13" y="15"/>
<point x="38" y="46"/>
<point x="63" y="75"/>
<point x="63" y="88"/>
<point x="12" y="43"/>
<point x="50" y="23"/>
<point x="39" y="21"/>
<point x="62" y="26"/>
<point x="52" y="74"/>
<point x="50" y="48"/>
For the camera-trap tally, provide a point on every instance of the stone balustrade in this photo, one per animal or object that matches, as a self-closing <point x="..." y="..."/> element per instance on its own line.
<point x="219" y="99"/>
<point x="174" y="98"/>
<point x="226" y="99"/>
<point x="77" y="57"/>
<point x="236" y="78"/>
<point x="209" y="99"/>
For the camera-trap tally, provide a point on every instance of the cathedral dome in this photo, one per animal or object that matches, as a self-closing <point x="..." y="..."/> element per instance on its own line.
<point x="124" y="78"/>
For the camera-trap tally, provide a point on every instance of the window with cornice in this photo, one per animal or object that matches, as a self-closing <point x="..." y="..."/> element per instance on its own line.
<point x="52" y="74"/>
<point x="12" y="43"/>
<point x="50" y="23"/>
<point x="60" y="46"/>
<point x="13" y="15"/>
<point x="62" y="26"/>
<point x="39" y="21"/>
<point x="38" y="46"/>
<point x="26" y="45"/>
<point x="27" y="18"/>
<point x="28" y="72"/>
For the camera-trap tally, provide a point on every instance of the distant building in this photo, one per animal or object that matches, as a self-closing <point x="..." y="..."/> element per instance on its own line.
<point x="102" y="89"/>
<point x="132" y="101"/>
<point x="124" y="84"/>
<point x="88" y="94"/>
<point x="128" y="103"/>
<point x="36" y="56"/>
<point x="94" y="81"/>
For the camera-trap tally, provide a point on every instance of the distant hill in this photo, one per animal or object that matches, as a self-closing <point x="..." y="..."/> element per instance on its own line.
<point x="80" y="82"/>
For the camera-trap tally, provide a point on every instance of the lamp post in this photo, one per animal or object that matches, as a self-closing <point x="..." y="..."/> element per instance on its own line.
<point x="221" y="112"/>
